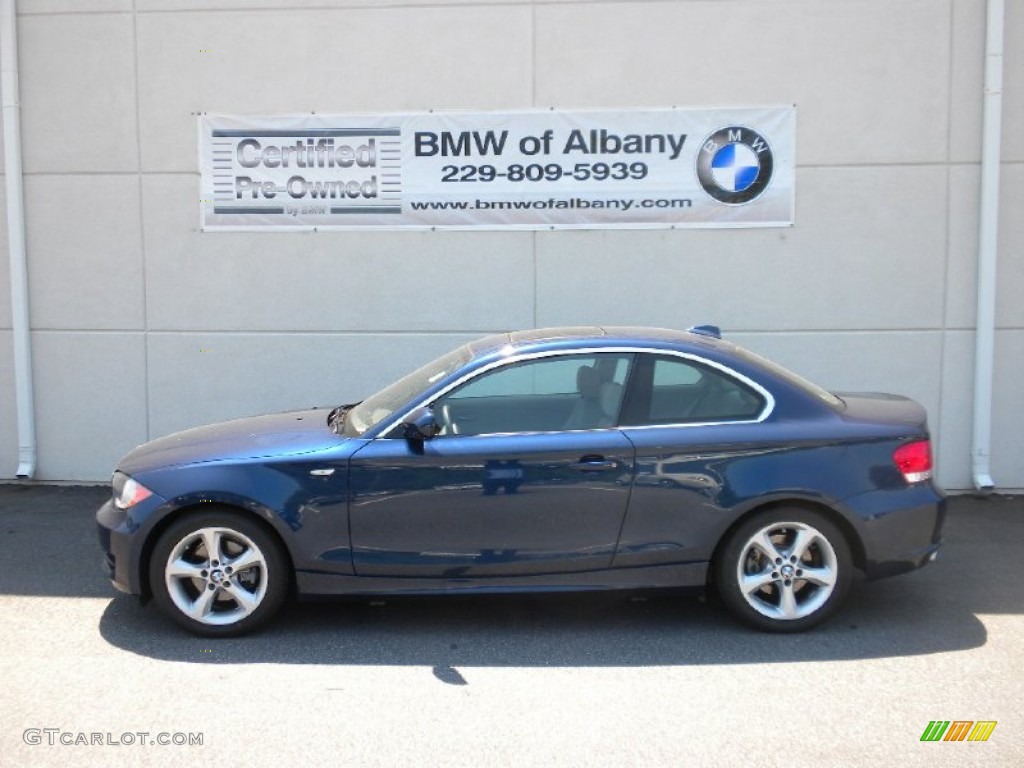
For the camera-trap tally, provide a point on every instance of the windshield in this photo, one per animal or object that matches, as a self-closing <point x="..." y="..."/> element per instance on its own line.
<point x="380" y="406"/>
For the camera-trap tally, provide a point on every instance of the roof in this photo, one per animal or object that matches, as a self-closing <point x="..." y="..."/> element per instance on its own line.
<point x="600" y="335"/>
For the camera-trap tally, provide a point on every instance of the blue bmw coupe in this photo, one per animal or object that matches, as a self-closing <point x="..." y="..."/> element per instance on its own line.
<point x="553" y="459"/>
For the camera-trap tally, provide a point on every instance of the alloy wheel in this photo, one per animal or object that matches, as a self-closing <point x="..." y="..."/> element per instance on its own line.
<point x="787" y="570"/>
<point x="216" y="576"/>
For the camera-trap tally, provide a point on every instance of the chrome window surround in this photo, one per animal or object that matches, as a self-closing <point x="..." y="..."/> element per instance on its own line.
<point x="766" y="411"/>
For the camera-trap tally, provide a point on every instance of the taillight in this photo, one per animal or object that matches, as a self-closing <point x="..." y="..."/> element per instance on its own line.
<point x="914" y="460"/>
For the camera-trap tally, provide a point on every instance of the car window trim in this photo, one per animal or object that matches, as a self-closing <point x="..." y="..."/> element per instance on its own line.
<point x="766" y="411"/>
<point x="728" y="373"/>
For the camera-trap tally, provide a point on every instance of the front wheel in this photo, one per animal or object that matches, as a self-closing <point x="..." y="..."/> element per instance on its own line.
<point x="218" y="573"/>
<point x="784" y="570"/>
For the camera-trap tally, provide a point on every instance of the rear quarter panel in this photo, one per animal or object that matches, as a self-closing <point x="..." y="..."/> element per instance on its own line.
<point x="693" y="483"/>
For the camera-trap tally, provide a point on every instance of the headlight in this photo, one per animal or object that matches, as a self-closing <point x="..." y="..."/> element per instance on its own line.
<point x="128" y="491"/>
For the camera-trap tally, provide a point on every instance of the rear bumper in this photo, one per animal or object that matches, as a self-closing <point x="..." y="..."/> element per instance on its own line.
<point x="901" y="529"/>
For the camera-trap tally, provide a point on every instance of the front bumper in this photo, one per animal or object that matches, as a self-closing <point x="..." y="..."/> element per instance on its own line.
<point x="114" y="530"/>
<point x="121" y="539"/>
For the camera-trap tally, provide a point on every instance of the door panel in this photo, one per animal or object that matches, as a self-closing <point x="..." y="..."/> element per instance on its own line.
<point x="489" y="505"/>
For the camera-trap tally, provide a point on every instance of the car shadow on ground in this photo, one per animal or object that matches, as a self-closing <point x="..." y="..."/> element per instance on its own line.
<point x="902" y="618"/>
<point x="51" y="551"/>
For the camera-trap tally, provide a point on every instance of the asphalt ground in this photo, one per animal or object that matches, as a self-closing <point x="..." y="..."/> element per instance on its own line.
<point x="568" y="680"/>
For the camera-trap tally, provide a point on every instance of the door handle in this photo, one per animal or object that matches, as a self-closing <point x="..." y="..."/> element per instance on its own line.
<point x="594" y="464"/>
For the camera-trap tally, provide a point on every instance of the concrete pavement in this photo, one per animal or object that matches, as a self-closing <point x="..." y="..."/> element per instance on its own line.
<point x="566" y="680"/>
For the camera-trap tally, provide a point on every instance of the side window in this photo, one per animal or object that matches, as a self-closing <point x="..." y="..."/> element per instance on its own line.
<point x="674" y="390"/>
<point x="544" y="395"/>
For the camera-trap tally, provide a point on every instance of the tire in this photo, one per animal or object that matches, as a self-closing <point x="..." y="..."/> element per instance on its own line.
<point x="784" y="570"/>
<point x="236" y="590"/>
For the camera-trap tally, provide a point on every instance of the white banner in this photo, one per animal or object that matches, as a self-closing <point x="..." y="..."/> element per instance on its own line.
<point x="499" y="170"/>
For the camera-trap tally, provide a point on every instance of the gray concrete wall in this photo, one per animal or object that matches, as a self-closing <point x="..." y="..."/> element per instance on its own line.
<point x="143" y="325"/>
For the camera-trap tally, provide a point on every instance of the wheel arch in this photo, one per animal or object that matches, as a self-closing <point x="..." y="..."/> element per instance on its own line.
<point x="853" y="539"/>
<point x="146" y="554"/>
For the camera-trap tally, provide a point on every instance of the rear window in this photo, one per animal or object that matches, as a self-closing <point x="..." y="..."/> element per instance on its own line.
<point x="787" y="375"/>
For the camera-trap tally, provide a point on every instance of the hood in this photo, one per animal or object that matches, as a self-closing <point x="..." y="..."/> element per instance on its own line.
<point x="277" y="435"/>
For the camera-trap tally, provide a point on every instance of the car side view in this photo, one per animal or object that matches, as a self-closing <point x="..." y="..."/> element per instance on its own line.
<point x="553" y="459"/>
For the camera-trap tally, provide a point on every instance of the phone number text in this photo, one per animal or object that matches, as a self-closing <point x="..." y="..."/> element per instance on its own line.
<point x="544" y="172"/>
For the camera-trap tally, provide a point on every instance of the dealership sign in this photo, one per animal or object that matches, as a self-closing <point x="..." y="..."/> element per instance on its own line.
<point x="499" y="170"/>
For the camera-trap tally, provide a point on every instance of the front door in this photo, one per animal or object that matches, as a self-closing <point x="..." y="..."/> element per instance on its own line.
<point x="529" y="476"/>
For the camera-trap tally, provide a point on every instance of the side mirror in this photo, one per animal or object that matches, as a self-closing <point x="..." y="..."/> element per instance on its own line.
<point x="420" y="425"/>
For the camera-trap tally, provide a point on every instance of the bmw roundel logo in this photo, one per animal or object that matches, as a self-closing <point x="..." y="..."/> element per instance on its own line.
<point x="734" y="165"/>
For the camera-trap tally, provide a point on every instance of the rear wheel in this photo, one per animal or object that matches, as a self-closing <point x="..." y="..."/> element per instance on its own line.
<point x="218" y="573"/>
<point x="784" y="570"/>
